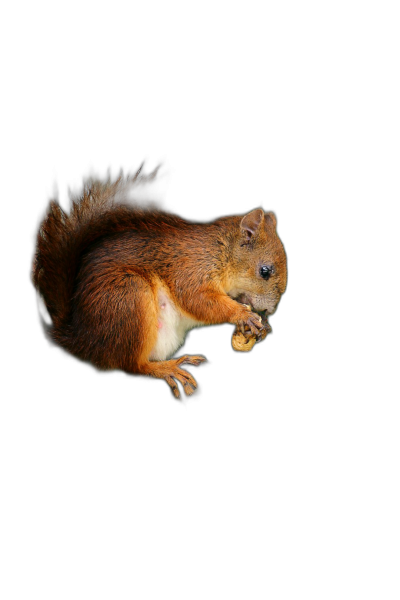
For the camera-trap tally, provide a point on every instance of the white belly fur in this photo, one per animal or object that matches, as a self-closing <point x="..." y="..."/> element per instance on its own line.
<point x="173" y="326"/>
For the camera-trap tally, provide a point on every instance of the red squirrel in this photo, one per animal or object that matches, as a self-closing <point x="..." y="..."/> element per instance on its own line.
<point x="123" y="284"/>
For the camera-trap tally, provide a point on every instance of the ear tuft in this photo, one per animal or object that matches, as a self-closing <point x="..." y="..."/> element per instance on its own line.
<point x="251" y="223"/>
<point x="270" y="216"/>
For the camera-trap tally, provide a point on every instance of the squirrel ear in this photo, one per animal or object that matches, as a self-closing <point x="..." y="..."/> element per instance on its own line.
<point x="271" y="216"/>
<point x="251" y="223"/>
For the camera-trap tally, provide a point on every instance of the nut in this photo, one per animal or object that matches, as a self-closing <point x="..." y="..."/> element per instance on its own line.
<point x="243" y="343"/>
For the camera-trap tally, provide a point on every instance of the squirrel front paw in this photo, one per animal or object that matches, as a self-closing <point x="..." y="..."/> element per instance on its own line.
<point x="266" y="327"/>
<point x="249" y="321"/>
<point x="244" y="338"/>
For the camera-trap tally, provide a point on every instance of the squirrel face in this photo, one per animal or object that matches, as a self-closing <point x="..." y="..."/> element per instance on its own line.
<point x="258" y="273"/>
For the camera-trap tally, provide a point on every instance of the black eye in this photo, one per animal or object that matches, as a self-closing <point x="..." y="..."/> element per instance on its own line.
<point x="266" y="271"/>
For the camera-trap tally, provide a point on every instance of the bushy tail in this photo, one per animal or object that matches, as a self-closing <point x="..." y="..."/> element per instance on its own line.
<point x="62" y="237"/>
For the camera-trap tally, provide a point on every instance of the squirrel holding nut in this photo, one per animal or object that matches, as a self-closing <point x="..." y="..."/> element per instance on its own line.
<point x="123" y="284"/>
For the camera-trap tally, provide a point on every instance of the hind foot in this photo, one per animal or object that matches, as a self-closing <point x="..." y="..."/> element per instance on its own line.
<point x="187" y="380"/>
<point x="170" y="371"/>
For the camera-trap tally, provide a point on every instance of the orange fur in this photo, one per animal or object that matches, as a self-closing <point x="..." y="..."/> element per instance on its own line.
<point x="123" y="284"/>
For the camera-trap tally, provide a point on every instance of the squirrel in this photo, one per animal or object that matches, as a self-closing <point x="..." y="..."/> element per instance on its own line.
<point x="124" y="284"/>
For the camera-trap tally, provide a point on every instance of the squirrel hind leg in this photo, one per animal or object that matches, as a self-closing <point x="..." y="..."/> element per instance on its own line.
<point x="171" y="372"/>
<point x="116" y="325"/>
<point x="115" y="320"/>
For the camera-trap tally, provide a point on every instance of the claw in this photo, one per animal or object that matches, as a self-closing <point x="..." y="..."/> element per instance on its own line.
<point x="173" y="386"/>
<point x="195" y="360"/>
<point x="185" y="378"/>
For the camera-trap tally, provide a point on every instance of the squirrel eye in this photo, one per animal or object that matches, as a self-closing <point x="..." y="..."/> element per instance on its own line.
<point x="266" y="271"/>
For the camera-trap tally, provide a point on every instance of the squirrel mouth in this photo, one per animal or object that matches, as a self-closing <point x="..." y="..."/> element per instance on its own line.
<point x="244" y="299"/>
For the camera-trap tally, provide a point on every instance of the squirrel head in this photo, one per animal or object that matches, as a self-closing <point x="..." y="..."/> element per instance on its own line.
<point x="257" y="271"/>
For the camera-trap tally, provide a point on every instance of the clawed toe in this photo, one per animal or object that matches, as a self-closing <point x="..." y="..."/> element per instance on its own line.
<point x="195" y="360"/>
<point x="187" y="380"/>
<point x="189" y="386"/>
<point x="171" y="372"/>
<point x="172" y="384"/>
